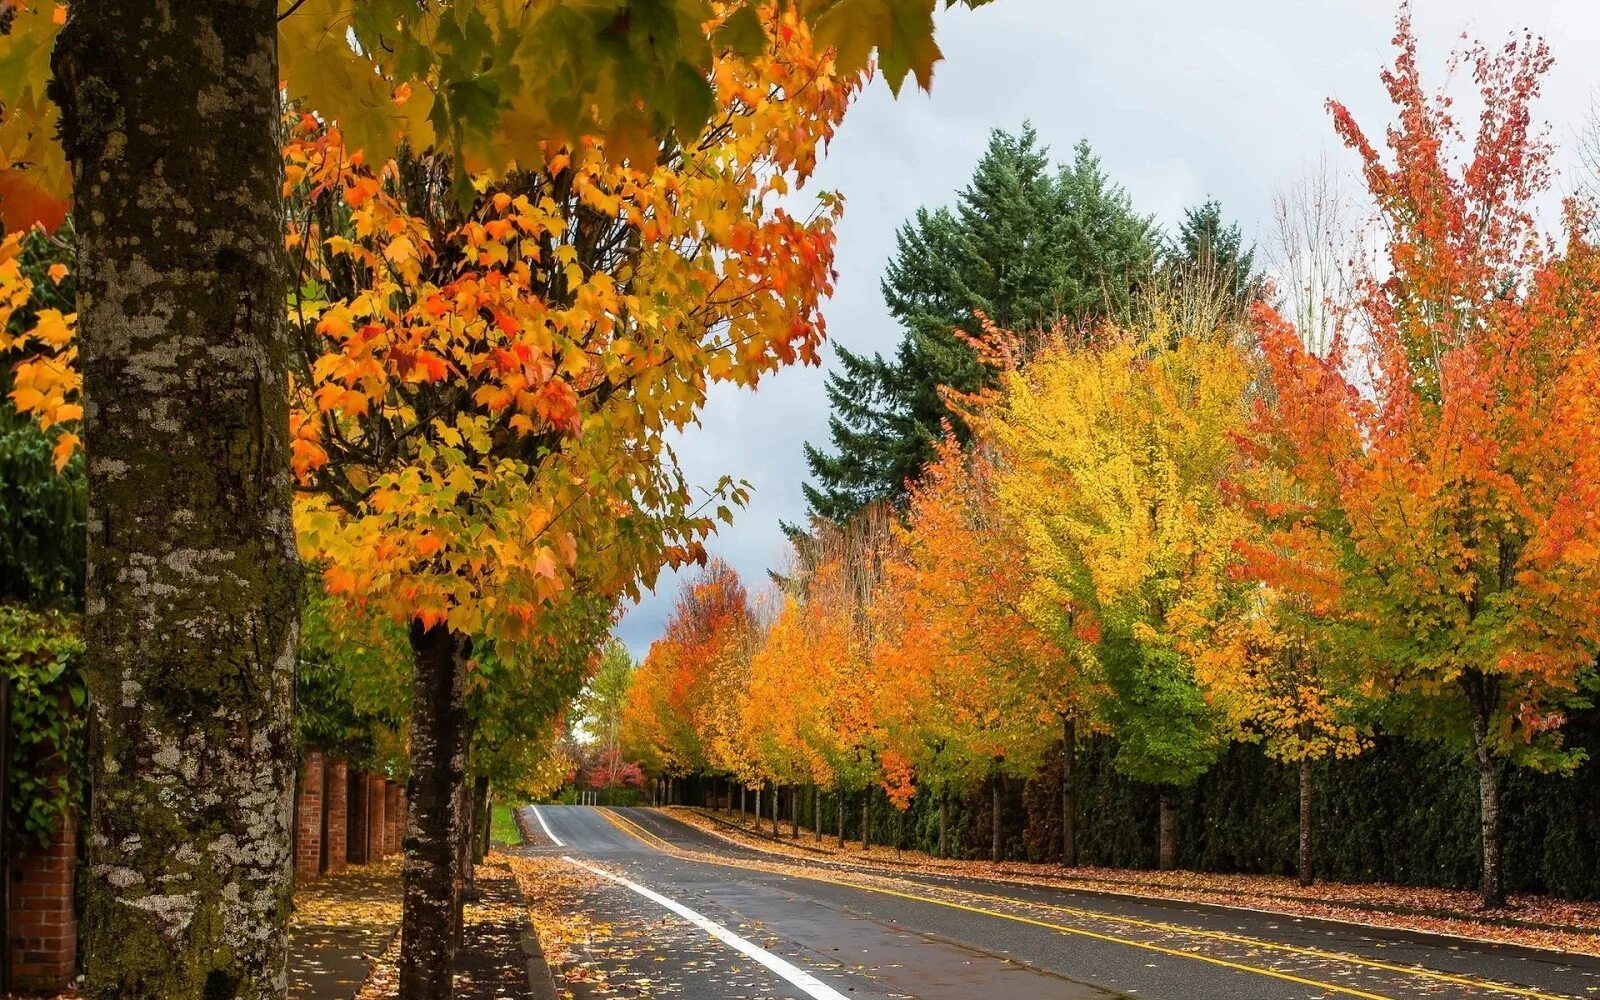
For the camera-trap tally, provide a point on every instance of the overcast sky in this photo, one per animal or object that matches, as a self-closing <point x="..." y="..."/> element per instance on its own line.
<point x="1182" y="101"/>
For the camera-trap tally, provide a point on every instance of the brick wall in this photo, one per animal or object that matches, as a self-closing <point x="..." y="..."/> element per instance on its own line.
<point x="395" y="815"/>
<point x="377" y="824"/>
<point x="43" y="926"/>
<point x="335" y="817"/>
<point x="308" y="818"/>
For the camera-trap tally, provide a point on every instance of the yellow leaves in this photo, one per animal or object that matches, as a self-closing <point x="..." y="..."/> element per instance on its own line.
<point x="401" y="253"/>
<point x="324" y="71"/>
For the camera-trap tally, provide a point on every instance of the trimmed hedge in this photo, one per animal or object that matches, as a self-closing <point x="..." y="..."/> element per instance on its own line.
<point x="1403" y="812"/>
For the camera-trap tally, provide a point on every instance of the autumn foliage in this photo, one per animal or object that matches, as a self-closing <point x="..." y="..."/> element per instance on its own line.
<point x="1195" y="525"/>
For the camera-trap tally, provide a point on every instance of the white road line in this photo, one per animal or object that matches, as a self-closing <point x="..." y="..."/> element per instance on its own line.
<point x="799" y="978"/>
<point x="546" y="826"/>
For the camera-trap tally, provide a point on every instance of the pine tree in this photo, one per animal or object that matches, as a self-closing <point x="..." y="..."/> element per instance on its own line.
<point x="1206" y="245"/>
<point x="1025" y="246"/>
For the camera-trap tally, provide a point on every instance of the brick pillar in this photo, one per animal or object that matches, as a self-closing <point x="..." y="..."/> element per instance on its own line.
<point x="335" y="816"/>
<point x="308" y="818"/>
<point x="43" y="925"/>
<point x="377" y="825"/>
<point x="356" y="840"/>
<point x="395" y="815"/>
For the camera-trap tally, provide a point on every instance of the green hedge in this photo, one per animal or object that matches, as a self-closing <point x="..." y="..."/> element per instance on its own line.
<point x="1403" y="812"/>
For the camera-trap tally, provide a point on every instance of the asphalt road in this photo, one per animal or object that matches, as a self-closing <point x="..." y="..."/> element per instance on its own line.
<point x="686" y="914"/>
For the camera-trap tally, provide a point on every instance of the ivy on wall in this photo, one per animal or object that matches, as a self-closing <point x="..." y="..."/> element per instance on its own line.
<point x="41" y="659"/>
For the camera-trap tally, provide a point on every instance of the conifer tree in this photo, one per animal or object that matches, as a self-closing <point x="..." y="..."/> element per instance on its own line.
<point x="1025" y="246"/>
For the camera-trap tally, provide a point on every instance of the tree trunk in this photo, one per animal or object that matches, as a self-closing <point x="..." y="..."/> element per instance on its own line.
<point x="469" y="890"/>
<point x="1307" y="876"/>
<point x="434" y="820"/>
<point x="1168" y="855"/>
<point x="171" y="123"/>
<point x="1069" y="797"/>
<point x="486" y="839"/>
<point x="866" y="818"/>
<point x="794" y="812"/>
<point x="995" y="825"/>
<point x="743" y="808"/>
<point x="480" y="817"/>
<point x="775" y="796"/>
<point x="816" y="809"/>
<point x="944" y="823"/>
<point x="1483" y="693"/>
<point x="838" y="796"/>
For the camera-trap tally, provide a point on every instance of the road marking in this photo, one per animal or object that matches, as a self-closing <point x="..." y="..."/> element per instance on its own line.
<point x="1156" y="925"/>
<point x="797" y="977"/>
<point x="638" y="832"/>
<point x="629" y="826"/>
<point x="546" y="826"/>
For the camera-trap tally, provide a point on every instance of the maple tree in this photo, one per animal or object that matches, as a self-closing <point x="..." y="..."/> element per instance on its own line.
<point x="1458" y="459"/>
<point x="169" y="154"/>
<point x="968" y="688"/>
<point x="678" y="719"/>
<point x="1114" y="456"/>
<point x="480" y="401"/>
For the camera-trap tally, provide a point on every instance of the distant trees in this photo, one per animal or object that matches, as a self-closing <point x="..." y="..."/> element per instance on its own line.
<point x="1197" y="521"/>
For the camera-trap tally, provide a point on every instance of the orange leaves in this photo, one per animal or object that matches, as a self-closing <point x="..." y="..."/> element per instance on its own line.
<point x="45" y="382"/>
<point x="1417" y="494"/>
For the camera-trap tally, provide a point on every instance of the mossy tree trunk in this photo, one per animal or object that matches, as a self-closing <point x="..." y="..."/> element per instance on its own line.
<point x="171" y="121"/>
<point x="436" y="804"/>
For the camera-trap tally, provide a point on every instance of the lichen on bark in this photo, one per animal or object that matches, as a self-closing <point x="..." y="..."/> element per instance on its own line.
<point x="170" y="118"/>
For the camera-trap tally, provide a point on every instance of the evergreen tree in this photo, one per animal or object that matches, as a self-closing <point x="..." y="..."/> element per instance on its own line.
<point x="1205" y="244"/>
<point x="1025" y="245"/>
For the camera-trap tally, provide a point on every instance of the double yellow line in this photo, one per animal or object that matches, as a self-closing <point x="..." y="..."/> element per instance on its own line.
<point x="639" y="833"/>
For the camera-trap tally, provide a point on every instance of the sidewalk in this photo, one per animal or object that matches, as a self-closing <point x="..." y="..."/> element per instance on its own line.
<point x="344" y="941"/>
<point x="341" y="924"/>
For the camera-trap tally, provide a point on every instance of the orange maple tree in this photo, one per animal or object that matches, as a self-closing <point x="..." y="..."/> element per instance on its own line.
<point x="968" y="688"/>
<point x="1455" y="471"/>
<point x="481" y="400"/>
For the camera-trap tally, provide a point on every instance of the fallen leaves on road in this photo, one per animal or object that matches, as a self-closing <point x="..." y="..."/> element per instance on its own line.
<point x="1532" y="921"/>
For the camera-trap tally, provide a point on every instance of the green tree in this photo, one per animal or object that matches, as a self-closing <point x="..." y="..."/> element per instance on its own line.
<point x="1026" y="247"/>
<point x="1210" y="249"/>
<point x="607" y="695"/>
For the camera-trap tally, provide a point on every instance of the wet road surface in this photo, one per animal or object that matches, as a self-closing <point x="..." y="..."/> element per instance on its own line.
<point x="688" y="914"/>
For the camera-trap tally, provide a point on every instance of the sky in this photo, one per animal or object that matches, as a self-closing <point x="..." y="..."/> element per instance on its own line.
<point x="1181" y="101"/>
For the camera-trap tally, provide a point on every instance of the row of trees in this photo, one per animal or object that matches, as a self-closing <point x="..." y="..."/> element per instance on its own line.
<point x="1196" y="523"/>
<point x="425" y="339"/>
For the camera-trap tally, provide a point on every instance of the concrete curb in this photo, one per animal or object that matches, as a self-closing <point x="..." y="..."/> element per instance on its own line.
<point x="541" y="977"/>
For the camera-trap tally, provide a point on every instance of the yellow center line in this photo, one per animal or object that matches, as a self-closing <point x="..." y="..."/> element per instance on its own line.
<point x="650" y="839"/>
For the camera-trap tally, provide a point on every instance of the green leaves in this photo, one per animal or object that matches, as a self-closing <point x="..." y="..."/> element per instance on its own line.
<point x="41" y="659"/>
<point x="741" y="33"/>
